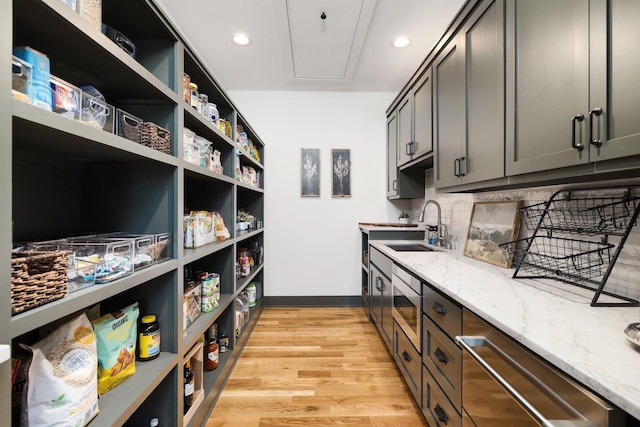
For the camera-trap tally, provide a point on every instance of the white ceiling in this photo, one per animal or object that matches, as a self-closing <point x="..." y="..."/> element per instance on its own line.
<point x="348" y="51"/>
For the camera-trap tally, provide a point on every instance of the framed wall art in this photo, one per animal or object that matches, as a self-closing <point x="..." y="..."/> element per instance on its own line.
<point x="310" y="172"/>
<point x="341" y="168"/>
<point x="492" y="224"/>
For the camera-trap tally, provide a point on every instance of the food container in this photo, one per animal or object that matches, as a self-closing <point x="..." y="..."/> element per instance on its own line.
<point x="193" y="301"/>
<point x="113" y="257"/>
<point x="91" y="10"/>
<point x="37" y="278"/>
<point x="143" y="247"/>
<point x="80" y="274"/>
<point x="96" y="112"/>
<point x="67" y="98"/>
<point x="127" y="125"/>
<point x="21" y="77"/>
<point x="148" y="248"/>
<point x="199" y="229"/>
<point x="38" y="87"/>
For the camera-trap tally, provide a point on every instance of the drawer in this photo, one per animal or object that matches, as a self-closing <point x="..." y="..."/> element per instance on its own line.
<point x="443" y="358"/>
<point x="408" y="360"/>
<point x="442" y="310"/>
<point x="381" y="261"/>
<point x="436" y="408"/>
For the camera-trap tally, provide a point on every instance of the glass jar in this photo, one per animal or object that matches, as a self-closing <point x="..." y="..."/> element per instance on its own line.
<point x="194" y="98"/>
<point x="203" y="107"/>
<point x="211" y="354"/>
<point x="186" y="82"/>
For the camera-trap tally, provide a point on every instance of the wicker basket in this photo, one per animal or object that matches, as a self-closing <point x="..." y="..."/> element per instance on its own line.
<point x="37" y="278"/>
<point x="153" y="136"/>
<point x="128" y="125"/>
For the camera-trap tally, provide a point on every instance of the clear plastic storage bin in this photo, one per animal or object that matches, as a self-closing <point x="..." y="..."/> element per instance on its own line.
<point x="113" y="257"/>
<point x="97" y="113"/>
<point x="67" y="98"/>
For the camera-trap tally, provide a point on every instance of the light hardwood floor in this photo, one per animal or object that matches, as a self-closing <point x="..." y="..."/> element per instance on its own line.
<point x="315" y="367"/>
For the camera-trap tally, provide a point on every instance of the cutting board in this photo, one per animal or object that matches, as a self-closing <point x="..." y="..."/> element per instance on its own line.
<point x="386" y="224"/>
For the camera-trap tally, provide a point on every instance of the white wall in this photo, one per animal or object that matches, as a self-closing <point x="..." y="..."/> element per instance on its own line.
<point x="312" y="245"/>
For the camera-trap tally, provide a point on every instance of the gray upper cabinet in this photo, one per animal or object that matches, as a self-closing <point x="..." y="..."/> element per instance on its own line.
<point x="547" y="84"/>
<point x="392" y="150"/>
<point x="401" y="184"/>
<point x="448" y="107"/>
<point x="405" y="131"/>
<point x="415" y="138"/>
<point x="468" y="100"/>
<point x="571" y="84"/>
<point x="614" y="85"/>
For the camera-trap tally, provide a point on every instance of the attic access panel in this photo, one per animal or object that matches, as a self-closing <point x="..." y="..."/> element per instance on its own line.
<point x="324" y="49"/>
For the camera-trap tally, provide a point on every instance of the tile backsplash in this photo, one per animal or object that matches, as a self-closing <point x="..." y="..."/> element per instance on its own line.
<point x="456" y="214"/>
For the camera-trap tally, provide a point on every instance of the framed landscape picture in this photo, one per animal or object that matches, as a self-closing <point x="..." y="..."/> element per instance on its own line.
<point x="310" y="172"/>
<point x="492" y="223"/>
<point x="341" y="165"/>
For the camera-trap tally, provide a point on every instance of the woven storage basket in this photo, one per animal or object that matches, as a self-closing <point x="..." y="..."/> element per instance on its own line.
<point x="154" y="136"/>
<point x="37" y="278"/>
<point x="128" y="125"/>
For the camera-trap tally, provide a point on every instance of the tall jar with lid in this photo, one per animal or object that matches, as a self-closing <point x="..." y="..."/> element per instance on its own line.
<point x="203" y="107"/>
<point x="194" y="99"/>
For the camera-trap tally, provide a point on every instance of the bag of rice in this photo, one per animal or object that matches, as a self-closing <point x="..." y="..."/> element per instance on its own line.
<point x="61" y="387"/>
<point x="116" y="335"/>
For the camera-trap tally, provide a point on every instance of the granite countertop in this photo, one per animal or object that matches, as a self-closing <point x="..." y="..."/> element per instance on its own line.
<point x="553" y="320"/>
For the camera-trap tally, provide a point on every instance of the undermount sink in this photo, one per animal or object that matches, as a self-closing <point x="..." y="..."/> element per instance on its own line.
<point x="409" y="247"/>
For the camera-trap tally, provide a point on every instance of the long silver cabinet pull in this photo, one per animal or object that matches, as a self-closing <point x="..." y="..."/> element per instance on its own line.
<point x="578" y="118"/>
<point x="468" y="342"/>
<point x="596" y="112"/>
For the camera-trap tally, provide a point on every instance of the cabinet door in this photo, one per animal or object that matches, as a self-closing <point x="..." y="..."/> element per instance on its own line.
<point x="392" y="150"/>
<point x="387" y="317"/>
<point x="405" y="135"/>
<point x="375" y="286"/>
<point x="484" y="65"/>
<point x="547" y="44"/>
<point x="615" y="27"/>
<point x="422" y="117"/>
<point x="448" y="112"/>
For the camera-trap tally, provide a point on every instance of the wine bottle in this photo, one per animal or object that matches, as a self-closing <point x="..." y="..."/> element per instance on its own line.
<point x="188" y="386"/>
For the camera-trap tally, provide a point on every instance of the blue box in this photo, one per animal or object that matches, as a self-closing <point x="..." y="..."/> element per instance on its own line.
<point x="38" y="89"/>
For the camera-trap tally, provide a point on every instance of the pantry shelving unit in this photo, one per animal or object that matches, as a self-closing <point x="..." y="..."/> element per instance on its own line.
<point x="60" y="177"/>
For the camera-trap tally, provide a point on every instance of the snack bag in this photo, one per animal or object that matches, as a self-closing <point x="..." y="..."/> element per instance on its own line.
<point x="116" y="335"/>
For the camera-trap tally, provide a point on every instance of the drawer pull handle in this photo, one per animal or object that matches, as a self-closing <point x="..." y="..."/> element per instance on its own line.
<point x="406" y="356"/>
<point x="441" y="356"/>
<point x="440" y="413"/>
<point x="577" y="145"/>
<point x="379" y="283"/>
<point x="439" y="308"/>
<point x="596" y="112"/>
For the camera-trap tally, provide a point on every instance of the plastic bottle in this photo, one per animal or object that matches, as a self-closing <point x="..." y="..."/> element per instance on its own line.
<point x="148" y="338"/>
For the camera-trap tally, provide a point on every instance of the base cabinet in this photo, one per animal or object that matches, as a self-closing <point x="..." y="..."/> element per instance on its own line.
<point x="408" y="360"/>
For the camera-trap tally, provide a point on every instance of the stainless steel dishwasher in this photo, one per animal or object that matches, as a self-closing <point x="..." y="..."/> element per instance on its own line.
<point x="505" y="385"/>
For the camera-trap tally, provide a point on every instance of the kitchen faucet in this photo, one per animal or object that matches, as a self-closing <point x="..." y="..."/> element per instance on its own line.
<point x="442" y="234"/>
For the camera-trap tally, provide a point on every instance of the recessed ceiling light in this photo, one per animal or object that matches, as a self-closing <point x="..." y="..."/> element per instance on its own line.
<point x="241" y="39"/>
<point x="401" y="42"/>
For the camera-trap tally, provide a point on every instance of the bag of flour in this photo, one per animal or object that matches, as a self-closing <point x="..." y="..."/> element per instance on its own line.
<point x="62" y="384"/>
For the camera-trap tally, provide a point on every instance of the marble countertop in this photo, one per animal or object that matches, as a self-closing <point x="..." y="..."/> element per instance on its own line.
<point x="551" y="319"/>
